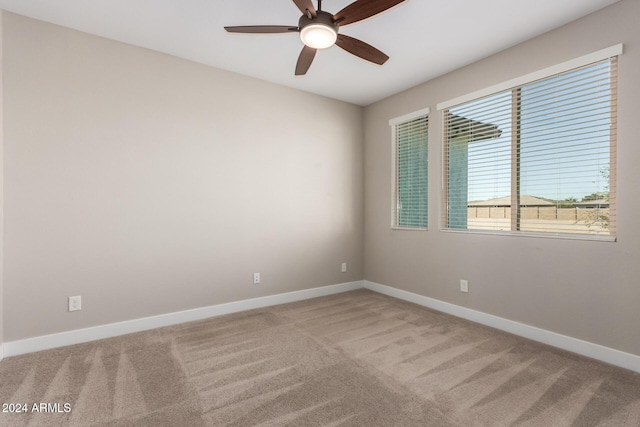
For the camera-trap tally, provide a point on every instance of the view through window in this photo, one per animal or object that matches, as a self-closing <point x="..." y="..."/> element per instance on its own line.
<point x="410" y="149"/>
<point x="538" y="158"/>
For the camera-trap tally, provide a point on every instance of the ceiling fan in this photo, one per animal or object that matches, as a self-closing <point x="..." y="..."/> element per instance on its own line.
<point x="319" y="30"/>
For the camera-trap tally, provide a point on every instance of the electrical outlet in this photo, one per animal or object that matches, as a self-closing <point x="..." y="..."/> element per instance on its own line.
<point x="344" y="267"/>
<point x="75" y="303"/>
<point x="464" y="286"/>
<point x="256" y="278"/>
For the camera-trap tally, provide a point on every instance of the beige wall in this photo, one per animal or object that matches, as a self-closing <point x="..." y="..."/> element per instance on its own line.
<point x="585" y="289"/>
<point x="149" y="184"/>
<point x="1" y="196"/>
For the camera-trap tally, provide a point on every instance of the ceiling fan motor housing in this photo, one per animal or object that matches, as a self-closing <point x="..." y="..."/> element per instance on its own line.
<point x="322" y="17"/>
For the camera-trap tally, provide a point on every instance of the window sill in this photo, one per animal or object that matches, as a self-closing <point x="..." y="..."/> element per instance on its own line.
<point x="409" y="229"/>
<point x="610" y="239"/>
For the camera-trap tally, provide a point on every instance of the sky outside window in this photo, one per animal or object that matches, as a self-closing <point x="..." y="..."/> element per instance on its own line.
<point x="564" y="138"/>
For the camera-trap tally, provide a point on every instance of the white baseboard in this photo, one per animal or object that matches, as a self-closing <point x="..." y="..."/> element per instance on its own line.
<point x="595" y="351"/>
<point x="29" y="345"/>
<point x="584" y="348"/>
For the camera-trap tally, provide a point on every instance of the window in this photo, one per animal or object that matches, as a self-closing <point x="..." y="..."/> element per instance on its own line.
<point x="410" y="193"/>
<point x="535" y="158"/>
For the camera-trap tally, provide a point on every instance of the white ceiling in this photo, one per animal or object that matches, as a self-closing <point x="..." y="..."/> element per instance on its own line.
<point x="424" y="38"/>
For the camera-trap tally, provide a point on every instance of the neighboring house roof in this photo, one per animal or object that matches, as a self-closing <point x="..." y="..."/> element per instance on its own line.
<point x="506" y="201"/>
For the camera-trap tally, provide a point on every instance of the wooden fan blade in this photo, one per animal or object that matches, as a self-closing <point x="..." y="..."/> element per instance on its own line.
<point x="360" y="9"/>
<point x="304" y="60"/>
<point x="261" y="29"/>
<point x="305" y="5"/>
<point x="361" y="49"/>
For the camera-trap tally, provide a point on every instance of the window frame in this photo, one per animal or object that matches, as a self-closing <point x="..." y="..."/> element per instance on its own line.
<point x="513" y="85"/>
<point x="393" y="123"/>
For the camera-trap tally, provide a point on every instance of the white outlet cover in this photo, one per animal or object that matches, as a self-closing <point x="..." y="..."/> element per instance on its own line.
<point x="464" y="286"/>
<point x="75" y="303"/>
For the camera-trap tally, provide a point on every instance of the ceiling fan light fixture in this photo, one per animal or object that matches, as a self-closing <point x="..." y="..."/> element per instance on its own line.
<point x="318" y="36"/>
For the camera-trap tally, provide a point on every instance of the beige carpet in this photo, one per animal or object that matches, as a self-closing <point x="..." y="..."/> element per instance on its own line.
<point x="353" y="359"/>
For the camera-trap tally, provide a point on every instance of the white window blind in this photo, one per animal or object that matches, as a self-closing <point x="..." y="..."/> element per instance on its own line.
<point x="410" y="193"/>
<point x="538" y="158"/>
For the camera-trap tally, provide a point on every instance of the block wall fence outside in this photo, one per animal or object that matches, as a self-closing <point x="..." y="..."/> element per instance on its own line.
<point x="540" y="218"/>
<point x="537" y="212"/>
